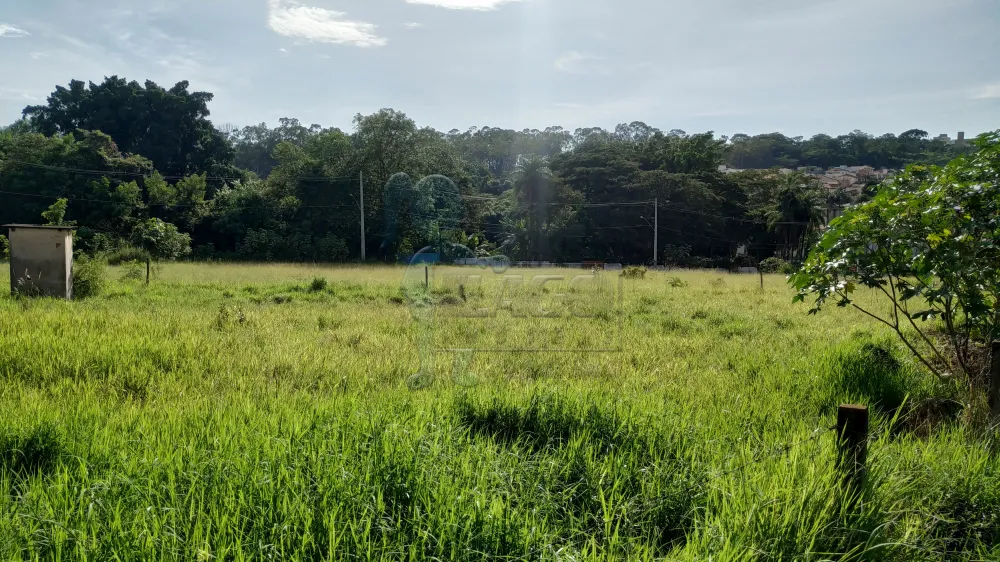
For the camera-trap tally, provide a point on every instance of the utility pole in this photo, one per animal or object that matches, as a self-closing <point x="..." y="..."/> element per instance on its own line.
<point x="362" y="190"/>
<point x="656" y="231"/>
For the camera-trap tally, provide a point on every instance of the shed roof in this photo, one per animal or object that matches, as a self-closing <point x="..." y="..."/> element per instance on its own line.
<point x="38" y="226"/>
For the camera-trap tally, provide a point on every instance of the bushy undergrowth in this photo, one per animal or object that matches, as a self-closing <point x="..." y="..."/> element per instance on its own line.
<point x="90" y="277"/>
<point x="133" y="271"/>
<point x="776" y="265"/>
<point x="634" y="272"/>
<point x="318" y="284"/>
<point x="870" y="373"/>
<point x="125" y="255"/>
<point x="34" y="452"/>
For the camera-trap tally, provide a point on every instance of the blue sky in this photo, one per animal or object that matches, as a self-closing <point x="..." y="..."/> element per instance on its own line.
<point x="799" y="67"/>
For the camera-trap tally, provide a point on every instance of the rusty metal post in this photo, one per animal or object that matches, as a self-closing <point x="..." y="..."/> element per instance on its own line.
<point x="852" y="443"/>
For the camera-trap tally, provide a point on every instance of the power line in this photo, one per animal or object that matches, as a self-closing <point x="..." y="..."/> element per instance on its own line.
<point x="666" y="205"/>
<point x="86" y="171"/>
<point x="306" y="178"/>
<point x="39" y="195"/>
<point x="735" y="219"/>
<point x="563" y="204"/>
<point x="340" y="206"/>
<point x="726" y="240"/>
<point x="168" y="205"/>
<point x="395" y="215"/>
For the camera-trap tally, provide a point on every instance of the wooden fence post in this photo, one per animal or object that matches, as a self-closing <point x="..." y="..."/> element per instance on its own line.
<point x="852" y="443"/>
<point x="995" y="380"/>
<point x="427" y="278"/>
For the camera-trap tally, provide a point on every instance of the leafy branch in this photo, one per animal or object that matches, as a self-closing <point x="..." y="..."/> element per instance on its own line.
<point x="928" y="244"/>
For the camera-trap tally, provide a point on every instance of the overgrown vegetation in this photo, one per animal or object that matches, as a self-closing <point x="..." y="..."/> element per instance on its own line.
<point x="199" y="417"/>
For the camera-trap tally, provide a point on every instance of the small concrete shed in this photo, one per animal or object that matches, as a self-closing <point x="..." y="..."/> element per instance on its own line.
<point x="41" y="259"/>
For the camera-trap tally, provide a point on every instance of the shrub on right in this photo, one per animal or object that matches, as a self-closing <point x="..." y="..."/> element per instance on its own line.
<point x="926" y="244"/>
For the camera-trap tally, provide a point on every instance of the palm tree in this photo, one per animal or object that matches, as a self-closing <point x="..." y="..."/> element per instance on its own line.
<point x="517" y="239"/>
<point x="798" y="209"/>
<point x="835" y="201"/>
<point x="533" y="193"/>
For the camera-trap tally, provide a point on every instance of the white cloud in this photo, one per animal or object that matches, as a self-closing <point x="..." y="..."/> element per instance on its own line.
<point x="317" y="24"/>
<point x="9" y="30"/>
<point x="988" y="92"/>
<point x="37" y="56"/>
<point x="282" y="50"/>
<point x="413" y="25"/>
<point x="77" y="44"/>
<point x="575" y="62"/>
<point x="180" y="63"/>
<point x="482" y="5"/>
<point x="18" y="95"/>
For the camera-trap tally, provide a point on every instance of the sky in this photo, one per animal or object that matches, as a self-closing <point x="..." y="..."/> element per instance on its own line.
<point x="798" y="67"/>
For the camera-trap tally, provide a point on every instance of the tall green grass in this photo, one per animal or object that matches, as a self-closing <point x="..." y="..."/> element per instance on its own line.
<point x="252" y="413"/>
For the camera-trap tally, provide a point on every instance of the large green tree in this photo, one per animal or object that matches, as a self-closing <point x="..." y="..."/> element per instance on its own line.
<point x="36" y="170"/>
<point x="255" y="144"/>
<point x="169" y="127"/>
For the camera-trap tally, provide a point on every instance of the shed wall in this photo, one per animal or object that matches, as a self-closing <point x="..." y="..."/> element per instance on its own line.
<point x="41" y="261"/>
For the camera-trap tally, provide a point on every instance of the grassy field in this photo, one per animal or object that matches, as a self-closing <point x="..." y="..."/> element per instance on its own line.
<point x="244" y="412"/>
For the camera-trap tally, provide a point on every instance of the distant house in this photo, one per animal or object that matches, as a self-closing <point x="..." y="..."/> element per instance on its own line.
<point x="831" y="184"/>
<point x="844" y="177"/>
<point x="853" y="179"/>
<point x="867" y="174"/>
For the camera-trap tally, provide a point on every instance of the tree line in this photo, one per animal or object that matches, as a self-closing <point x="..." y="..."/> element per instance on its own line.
<point x="854" y="149"/>
<point x="132" y="158"/>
